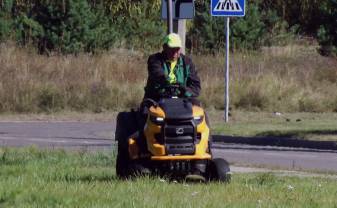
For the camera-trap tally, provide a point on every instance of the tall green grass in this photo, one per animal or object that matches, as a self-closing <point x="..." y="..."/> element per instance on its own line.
<point x="291" y="78"/>
<point x="35" y="83"/>
<point x="42" y="178"/>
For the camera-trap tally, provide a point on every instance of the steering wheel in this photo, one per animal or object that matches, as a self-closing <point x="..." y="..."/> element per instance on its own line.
<point x="174" y="90"/>
<point x="148" y="102"/>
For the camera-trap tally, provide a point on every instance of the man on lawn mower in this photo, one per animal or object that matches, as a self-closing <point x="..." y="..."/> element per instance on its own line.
<point x="171" y="67"/>
<point x="172" y="135"/>
<point x="167" y="68"/>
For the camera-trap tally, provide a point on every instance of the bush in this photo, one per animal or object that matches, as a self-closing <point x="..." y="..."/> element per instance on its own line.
<point x="327" y="32"/>
<point x="6" y="22"/>
<point x="29" y="32"/>
<point x="259" y="27"/>
<point x="73" y="27"/>
<point x="141" y="27"/>
<point x="247" y="32"/>
<point x="50" y="99"/>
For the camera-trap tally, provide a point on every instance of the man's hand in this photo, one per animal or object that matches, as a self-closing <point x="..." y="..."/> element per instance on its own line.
<point x="181" y="88"/>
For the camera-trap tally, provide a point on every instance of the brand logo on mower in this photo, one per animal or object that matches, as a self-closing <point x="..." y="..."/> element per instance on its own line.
<point x="179" y="130"/>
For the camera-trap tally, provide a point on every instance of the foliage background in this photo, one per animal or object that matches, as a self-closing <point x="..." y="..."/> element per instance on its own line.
<point x="72" y="26"/>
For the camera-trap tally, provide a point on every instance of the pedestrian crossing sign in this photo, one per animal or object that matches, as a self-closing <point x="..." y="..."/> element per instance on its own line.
<point x="228" y="8"/>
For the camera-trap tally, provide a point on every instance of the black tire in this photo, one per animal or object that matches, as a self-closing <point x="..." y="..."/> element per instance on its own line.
<point x="126" y="168"/>
<point x="126" y="125"/>
<point x="122" y="161"/>
<point x="219" y="170"/>
<point x="137" y="169"/>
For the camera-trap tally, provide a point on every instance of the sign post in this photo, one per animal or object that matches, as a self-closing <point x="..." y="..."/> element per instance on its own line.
<point x="169" y="17"/>
<point x="227" y="72"/>
<point x="227" y="8"/>
<point x="179" y="11"/>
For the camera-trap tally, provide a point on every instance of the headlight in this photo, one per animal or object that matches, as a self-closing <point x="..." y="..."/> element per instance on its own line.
<point x="198" y="120"/>
<point x="157" y="120"/>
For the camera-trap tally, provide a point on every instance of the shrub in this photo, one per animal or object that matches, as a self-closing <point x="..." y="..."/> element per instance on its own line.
<point x="247" y="32"/>
<point x="30" y="31"/>
<point x="327" y="32"/>
<point x="259" y="27"/>
<point x="70" y="26"/>
<point x="141" y="27"/>
<point x="6" y="22"/>
<point x="50" y="99"/>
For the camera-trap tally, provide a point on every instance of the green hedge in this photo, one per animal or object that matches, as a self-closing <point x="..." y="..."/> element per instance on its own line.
<point x="327" y="33"/>
<point x="72" y="26"/>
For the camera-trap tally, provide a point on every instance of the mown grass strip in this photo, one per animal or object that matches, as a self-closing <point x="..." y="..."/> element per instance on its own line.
<point x="42" y="178"/>
<point x="308" y="126"/>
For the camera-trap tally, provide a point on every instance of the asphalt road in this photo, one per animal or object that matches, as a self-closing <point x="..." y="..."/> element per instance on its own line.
<point x="57" y="134"/>
<point x="100" y="135"/>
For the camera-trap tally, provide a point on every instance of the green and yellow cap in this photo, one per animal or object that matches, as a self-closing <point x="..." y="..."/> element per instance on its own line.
<point x="172" y="40"/>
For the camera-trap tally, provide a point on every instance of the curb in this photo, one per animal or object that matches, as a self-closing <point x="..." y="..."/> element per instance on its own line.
<point x="276" y="141"/>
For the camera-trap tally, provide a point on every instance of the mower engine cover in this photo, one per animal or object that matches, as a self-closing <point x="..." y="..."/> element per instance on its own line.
<point x="176" y="108"/>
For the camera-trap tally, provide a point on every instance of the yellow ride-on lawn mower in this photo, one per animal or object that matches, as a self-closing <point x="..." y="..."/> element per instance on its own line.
<point x="175" y="141"/>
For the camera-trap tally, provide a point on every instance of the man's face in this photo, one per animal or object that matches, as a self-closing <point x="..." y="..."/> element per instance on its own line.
<point x="172" y="54"/>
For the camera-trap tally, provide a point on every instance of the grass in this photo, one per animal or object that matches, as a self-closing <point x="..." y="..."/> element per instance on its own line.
<point x="293" y="78"/>
<point x="41" y="178"/>
<point x="309" y="126"/>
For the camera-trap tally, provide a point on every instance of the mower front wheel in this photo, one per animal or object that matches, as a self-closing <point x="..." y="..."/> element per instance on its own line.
<point x="219" y="170"/>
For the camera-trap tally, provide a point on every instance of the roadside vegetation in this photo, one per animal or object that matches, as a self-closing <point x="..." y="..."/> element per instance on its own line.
<point x="54" y="178"/>
<point x="285" y="79"/>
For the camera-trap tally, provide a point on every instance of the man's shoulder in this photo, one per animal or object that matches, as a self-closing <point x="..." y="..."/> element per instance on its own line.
<point x="186" y="59"/>
<point x="156" y="56"/>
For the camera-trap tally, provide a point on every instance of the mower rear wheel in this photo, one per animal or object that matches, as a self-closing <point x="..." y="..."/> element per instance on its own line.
<point x="122" y="166"/>
<point x="123" y="160"/>
<point x="126" y="125"/>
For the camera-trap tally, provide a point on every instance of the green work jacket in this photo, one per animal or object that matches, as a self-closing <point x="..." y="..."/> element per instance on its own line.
<point x="158" y="76"/>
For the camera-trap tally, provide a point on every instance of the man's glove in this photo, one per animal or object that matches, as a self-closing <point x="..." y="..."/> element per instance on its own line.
<point x="183" y="91"/>
<point x="188" y="93"/>
<point x="181" y="88"/>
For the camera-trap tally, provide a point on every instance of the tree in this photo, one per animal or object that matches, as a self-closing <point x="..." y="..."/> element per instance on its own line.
<point x="72" y="26"/>
<point x="6" y="22"/>
<point x="327" y="33"/>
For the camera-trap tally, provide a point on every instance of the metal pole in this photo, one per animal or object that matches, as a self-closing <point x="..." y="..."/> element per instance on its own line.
<point x="169" y="17"/>
<point x="227" y="72"/>
<point x="179" y="26"/>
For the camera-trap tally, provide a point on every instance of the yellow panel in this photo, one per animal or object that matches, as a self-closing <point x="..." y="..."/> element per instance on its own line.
<point x="197" y="111"/>
<point x="157" y="111"/>
<point x="158" y="150"/>
<point x="152" y="144"/>
<point x="202" y="147"/>
<point x="202" y="126"/>
<point x="133" y="148"/>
